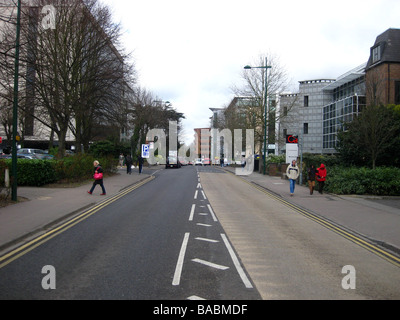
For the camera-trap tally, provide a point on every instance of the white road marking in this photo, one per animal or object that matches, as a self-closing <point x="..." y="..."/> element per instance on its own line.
<point x="236" y="262"/>
<point x="192" y="212"/>
<point x="195" y="194"/>
<point x="179" y="265"/>
<point x="204" y="196"/>
<point x="208" y="240"/>
<point x="195" y="298"/>
<point x="204" y="225"/>
<point x="210" y="264"/>
<point x="212" y="213"/>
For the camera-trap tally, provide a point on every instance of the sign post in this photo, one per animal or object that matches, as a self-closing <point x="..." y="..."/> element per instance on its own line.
<point x="292" y="148"/>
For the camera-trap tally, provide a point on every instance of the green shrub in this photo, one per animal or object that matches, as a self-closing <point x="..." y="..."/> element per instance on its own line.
<point x="381" y="181"/>
<point x="33" y="173"/>
<point x="36" y="173"/>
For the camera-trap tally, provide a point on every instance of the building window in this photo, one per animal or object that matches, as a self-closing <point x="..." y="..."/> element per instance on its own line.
<point x="376" y="54"/>
<point x="397" y="92"/>
<point x="306" y="101"/>
<point x="305" y="128"/>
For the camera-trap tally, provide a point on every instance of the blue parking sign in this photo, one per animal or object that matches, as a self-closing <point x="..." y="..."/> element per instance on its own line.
<point x="145" y="151"/>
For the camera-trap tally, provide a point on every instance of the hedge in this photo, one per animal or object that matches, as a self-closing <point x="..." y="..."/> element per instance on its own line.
<point x="36" y="173"/>
<point x="381" y="181"/>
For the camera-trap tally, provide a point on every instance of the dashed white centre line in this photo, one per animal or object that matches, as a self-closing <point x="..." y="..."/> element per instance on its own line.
<point x="192" y="212"/>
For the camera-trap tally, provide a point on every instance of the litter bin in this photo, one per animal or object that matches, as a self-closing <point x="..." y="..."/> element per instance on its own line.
<point x="256" y="162"/>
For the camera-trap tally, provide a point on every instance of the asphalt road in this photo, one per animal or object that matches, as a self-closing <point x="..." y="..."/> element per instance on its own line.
<point x="290" y="254"/>
<point x="160" y="242"/>
<point x="197" y="233"/>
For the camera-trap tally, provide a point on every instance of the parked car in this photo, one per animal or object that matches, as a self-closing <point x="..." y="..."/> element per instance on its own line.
<point x="36" y="153"/>
<point x="25" y="156"/>
<point x="198" y="162"/>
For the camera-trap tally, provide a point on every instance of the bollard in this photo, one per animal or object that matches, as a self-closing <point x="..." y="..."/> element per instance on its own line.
<point x="7" y="178"/>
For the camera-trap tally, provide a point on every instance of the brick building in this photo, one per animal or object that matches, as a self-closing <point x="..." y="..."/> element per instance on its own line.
<point x="383" y="69"/>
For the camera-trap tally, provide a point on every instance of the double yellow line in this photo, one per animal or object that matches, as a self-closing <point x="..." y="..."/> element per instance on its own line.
<point x="29" y="246"/>
<point x="326" y="223"/>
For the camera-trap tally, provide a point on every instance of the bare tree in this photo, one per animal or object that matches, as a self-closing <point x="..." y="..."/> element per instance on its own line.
<point x="75" y="73"/>
<point x="149" y="112"/>
<point x="255" y="80"/>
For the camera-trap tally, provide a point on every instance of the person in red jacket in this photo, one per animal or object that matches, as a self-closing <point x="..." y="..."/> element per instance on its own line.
<point x="321" y="178"/>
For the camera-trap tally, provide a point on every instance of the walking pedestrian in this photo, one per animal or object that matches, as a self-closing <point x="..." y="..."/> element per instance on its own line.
<point x="128" y="162"/>
<point x="121" y="160"/>
<point x="243" y="163"/>
<point x="140" y="162"/>
<point x="292" y="172"/>
<point x="98" y="178"/>
<point x="311" y="178"/>
<point x="321" y="178"/>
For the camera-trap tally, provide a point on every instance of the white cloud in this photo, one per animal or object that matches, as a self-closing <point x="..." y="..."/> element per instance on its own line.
<point x="191" y="52"/>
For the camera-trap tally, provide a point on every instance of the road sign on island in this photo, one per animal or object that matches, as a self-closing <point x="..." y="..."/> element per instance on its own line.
<point x="145" y="151"/>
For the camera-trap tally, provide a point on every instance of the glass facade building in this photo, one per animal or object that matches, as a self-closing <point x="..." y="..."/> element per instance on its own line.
<point x="348" y="100"/>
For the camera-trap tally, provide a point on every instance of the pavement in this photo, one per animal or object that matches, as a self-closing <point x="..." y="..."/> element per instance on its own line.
<point x="375" y="218"/>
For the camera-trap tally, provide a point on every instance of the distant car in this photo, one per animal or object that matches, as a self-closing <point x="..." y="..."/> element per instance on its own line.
<point x="35" y="153"/>
<point x="172" y="162"/>
<point x="198" y="162"/>
<point x="206" y="162"/>
<point x="183" y="161"/>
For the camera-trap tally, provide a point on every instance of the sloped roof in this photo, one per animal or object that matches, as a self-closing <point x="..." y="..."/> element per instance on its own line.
<point x="389" y="42"/>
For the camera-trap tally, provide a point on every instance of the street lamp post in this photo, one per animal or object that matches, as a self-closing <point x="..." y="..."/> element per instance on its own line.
<point x="14" y="196"/>
<point x="265" y="109"/>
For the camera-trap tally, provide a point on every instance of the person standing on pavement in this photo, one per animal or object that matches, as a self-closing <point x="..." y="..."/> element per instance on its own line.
<point x="321" y="178"/>
<point x="311" y="178"/>
<point x="98" y="178"/>
<point x="128" y="162"/>
<point x="292" y="172"/>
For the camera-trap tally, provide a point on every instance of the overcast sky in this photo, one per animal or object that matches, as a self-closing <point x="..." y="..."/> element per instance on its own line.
<point x="191" y="52"/>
